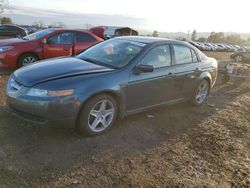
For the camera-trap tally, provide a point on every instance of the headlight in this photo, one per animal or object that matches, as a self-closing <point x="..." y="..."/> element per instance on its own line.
<point x="46" y="93"/>
<point x="5" y="48"/>
<point x="37" y="92"/>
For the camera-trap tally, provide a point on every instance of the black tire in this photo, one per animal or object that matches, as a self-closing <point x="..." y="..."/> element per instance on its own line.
<point x="21" y="60"/>
<point x="194" y="101"/>
<point x="84" y="118"/>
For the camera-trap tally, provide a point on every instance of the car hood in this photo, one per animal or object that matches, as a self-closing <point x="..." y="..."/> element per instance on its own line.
<point x="55" y="69"/>
<point x="5" y="42"/>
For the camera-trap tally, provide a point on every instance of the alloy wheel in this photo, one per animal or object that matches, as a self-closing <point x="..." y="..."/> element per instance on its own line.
<point x="101" y="115"/>
<point x="28" y="60"/>
<point x="202" y="92"/>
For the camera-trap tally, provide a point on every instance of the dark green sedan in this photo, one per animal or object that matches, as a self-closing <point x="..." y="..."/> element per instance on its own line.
<point x="112" y="79"/>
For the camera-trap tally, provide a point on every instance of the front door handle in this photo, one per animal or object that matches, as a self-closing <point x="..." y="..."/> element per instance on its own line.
<point x="170" y="75"/>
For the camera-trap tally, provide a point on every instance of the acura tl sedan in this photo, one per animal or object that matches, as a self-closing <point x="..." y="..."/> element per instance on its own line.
<point x="112" y="79"/>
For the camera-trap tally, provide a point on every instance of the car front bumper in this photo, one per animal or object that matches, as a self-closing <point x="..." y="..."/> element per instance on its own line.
<point x="7" y="60"/>
<point x="57" y="112"/>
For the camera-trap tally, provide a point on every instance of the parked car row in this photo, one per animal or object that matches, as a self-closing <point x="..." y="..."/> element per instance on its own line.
<point x="221" y="47"/>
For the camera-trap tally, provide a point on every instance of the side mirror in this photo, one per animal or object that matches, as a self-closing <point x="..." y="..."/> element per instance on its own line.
<point x="143" y="68"/>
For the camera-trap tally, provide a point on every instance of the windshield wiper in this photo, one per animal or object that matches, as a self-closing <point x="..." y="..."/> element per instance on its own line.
<point x="97" y="62"/>
<point x="91" y="60"/>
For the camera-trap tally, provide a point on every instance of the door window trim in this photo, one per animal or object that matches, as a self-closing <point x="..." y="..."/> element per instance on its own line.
<point x="59" y="33"/>
<point x="174" y="57"/>
<point x="156" y="46"/>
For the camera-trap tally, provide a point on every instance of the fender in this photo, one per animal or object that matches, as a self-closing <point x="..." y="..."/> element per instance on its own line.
<point x="208" y="77"/>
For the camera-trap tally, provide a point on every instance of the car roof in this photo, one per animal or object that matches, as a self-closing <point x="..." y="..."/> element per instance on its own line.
<point x="12" y="25"/>
<point x="63" y="29"/>
<point x="144" y="39"/>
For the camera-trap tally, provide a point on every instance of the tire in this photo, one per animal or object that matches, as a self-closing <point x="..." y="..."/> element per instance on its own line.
<point x="238" y="58"/>
<point x="92" y="119"/>
<point x="201" y="93"/>
<point x="27" y="59"/>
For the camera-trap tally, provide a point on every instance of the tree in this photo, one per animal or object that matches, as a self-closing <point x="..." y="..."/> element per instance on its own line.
<point x="216" y="37"/>
<point x="234" y="39"/>
<point x="88" y="26"/>
<point x="202" y="39"/>
<point x="194" y="36"/>
<point x="38" y="25"/>
<point x="5" y="20"/>
<point x="4" y="4"/>
<point x="57" y="25"/>
<point x="155" y="34"/>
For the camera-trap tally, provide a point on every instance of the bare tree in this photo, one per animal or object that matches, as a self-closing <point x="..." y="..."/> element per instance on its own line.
<point x="88" y="26"/>
<point x="4" y="4"/>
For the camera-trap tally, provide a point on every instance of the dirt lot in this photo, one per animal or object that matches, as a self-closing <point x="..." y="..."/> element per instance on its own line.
<point x="177" y="146"/>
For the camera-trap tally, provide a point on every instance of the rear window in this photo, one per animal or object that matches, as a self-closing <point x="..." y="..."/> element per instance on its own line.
<point x="182" y="54"/>
<point x="84" y="37"/>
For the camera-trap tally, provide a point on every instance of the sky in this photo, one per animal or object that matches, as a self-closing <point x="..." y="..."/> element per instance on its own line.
<point x="160" y="15"/>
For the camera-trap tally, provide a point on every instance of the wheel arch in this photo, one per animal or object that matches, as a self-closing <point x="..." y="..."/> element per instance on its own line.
<point x="117" y="96"/>
<point x="207" y="76"/>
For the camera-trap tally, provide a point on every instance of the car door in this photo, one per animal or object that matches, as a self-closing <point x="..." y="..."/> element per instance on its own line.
<point x="83" y="41"/>
<point x="152" y="88"/>
<point x="188" y="69"/>
<point x="58" y="45"/>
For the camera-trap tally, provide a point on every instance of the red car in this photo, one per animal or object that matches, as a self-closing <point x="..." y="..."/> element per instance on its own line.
<point x="48" y="43"/>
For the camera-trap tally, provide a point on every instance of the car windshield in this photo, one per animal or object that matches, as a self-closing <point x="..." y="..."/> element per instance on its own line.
<point x="38" y="34"/>
<point x="115" y="53"/>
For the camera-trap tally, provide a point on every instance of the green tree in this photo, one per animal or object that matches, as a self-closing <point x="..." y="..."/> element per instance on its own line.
<point x="194" y="36"/>
<point x="216" y="37"/>
<point x="5" y="20"/>
<point x="155" y="34"/>
<point x="202" y="39"/>
<point x="234" y="39"/>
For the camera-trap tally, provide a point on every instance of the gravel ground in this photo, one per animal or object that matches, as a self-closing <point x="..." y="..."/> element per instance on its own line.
<point x="177" y="146"/>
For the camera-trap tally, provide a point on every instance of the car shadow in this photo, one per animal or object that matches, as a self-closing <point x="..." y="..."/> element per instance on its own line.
<point x="36" y="150"/>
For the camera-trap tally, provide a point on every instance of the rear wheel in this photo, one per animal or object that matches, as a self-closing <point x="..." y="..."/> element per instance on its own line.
<point x="27" y="59"/>
<point x="201" y="93"/>
<point x="238" y="58"/>
<point x="97" y="115"/>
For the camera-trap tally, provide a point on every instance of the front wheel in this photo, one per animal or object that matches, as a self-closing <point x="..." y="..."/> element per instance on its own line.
<point x="97" y="115"/>
<point x="27" y="59"/>
<point x="201" y="93"/>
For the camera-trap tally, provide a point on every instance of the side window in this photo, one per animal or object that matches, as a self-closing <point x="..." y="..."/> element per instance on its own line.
<point x="10" y="28"/>
<point x="2" y="27"/>
<point x="182" y="54"/>
<point x="158" y="57"/>
<point x="84" y="37"/>
<point x="194" y="56"/>
<point x="62" y="38"/>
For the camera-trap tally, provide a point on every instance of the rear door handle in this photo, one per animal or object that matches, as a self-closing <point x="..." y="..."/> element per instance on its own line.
<point x="197" y="69"/>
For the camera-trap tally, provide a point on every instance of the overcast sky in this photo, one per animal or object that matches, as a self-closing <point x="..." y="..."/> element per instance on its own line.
<point x="161" y="15"/>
